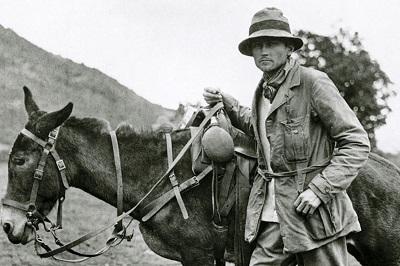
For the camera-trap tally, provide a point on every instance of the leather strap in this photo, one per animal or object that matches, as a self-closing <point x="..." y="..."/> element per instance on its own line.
<point x="38" y="175"/>
<point x="172" y="178"/>
<point x="15" y="204"/>
<point x="61" y="167"/>
<point x="226" y="181"/>
<point x="153" y="207"/>
<point x="227" y="196"/>
<point x="267" y="175"/>
<point x="60" y="211"/>
<point x="118" y="169"/>
<point x="59" y="162"/>
<point x="33" y="137"/>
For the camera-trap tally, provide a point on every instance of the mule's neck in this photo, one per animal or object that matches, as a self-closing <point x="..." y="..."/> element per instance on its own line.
<point x="90" y="161"/>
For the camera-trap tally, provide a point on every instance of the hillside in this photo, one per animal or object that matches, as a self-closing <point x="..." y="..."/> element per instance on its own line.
<point x="54" y="81"/>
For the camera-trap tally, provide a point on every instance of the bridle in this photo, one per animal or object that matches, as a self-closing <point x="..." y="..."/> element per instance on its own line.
<point x="35" y="218"/>
<point x="33" y="215"/>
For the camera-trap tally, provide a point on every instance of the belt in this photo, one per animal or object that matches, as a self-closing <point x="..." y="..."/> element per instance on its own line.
<point x="268" y="175"/>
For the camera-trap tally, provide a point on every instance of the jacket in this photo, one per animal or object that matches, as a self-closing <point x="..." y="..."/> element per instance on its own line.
<point x="308" y="124"/>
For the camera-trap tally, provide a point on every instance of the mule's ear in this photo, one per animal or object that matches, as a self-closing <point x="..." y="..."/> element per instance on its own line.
<point x="30" y="105"/>
<point x="52" y="120"/>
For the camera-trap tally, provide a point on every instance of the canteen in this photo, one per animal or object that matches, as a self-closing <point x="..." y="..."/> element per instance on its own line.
<point x="217" y="143"/>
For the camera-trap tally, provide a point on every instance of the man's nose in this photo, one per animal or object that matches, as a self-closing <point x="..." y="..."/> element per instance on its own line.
<point x="265" y="49"/>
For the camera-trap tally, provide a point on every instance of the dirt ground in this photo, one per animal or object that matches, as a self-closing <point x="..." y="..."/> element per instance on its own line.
<point x="82" y="214"/>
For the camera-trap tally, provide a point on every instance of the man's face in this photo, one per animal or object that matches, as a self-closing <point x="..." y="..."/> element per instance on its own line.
<point x="269" y="54"/>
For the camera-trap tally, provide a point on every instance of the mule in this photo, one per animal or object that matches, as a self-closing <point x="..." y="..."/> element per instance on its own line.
<point x="85" y="146"/>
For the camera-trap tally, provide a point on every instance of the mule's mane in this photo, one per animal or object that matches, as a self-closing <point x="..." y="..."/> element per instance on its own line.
<point x="98" y="126"/>
<point x="89" y="124"/>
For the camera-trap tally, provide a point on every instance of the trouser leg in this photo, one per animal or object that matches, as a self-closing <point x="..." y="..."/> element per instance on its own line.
<point x="331" y="254"/>
<point x="269" y="246"/>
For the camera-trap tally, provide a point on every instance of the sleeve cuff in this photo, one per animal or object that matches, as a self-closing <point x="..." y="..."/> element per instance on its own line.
<point x="231" y="105"/>
<point x="321" y="188"/>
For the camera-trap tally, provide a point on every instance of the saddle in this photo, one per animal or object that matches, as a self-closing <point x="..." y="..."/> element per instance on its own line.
<point x="231" y="186"/>
<point x="230" y="181"/>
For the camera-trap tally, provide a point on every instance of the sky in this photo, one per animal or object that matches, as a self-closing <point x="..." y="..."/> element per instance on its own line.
<point x="167" y="51"/>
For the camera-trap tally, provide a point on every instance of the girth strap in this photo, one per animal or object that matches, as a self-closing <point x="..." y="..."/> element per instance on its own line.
<point x="172" y="177"/>
<point x="118" y="169"/>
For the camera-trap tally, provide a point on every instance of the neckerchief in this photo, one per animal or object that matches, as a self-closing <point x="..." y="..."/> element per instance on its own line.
<point x="272" y="83"/>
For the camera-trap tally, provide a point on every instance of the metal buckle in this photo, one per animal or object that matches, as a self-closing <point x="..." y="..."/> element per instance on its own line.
<point x="196" y="181"/>
<point x="54" y="134"/>
<point x="38" y="174"/>
<point x="60" y="165"/>
<point x="172" y="179"/>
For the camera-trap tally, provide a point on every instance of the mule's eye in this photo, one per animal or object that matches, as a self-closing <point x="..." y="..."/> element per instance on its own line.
<point x="18" y="160"/>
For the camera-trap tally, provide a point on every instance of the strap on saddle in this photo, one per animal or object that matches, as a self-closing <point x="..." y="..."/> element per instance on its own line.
<point x="119" y="227"/>
<point x="154" y="206"/>
<point x="172" y="177"/>
<point x="223" y="192"/>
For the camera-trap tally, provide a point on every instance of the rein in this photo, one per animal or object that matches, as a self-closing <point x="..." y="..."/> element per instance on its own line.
<point x="119" y="234"/>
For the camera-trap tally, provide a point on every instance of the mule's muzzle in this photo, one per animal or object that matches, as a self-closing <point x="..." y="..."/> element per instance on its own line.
<point x="23" y="238"/>
<point x="8" y="227"/>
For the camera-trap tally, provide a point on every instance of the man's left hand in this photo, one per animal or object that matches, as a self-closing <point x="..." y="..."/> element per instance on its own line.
<point x="307" y="202"/>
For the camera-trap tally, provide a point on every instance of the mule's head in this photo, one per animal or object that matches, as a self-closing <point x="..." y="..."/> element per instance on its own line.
<point x="23" y="161"/>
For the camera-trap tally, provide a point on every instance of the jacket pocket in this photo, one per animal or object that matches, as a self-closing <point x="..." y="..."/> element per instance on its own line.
<point x="331" y="218"/>
<point x="320" y="225"/>
<point x="295" y="140"/>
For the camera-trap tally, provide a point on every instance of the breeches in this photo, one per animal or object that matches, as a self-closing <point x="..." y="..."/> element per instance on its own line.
<point x="269" y="250"/>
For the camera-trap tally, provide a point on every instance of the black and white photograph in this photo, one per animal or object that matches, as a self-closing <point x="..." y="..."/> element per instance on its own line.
<point x="200" y="133"/>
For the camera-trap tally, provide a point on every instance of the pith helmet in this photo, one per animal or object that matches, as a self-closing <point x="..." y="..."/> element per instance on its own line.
<point x="269" y="22"/>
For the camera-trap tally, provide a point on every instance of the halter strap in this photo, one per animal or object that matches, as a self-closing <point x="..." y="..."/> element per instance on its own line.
<point x="33" y="137"/>
<point x="52" y="139"/>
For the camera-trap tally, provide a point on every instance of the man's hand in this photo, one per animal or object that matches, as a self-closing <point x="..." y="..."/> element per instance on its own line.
<point x="215" y="95"/>
<point x="307" y="202"/>
<point x="212" y="95"/>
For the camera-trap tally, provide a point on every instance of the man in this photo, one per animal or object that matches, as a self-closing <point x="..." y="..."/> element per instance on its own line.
<point x="310" y="148"/>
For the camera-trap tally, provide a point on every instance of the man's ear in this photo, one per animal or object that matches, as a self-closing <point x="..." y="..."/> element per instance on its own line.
<point x="50" y="121"/>
<point x="290" y="49"/>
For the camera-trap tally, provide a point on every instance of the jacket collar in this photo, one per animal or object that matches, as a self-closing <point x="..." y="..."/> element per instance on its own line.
<point x="283" y="94"/>
<point x="292" y="80"/>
